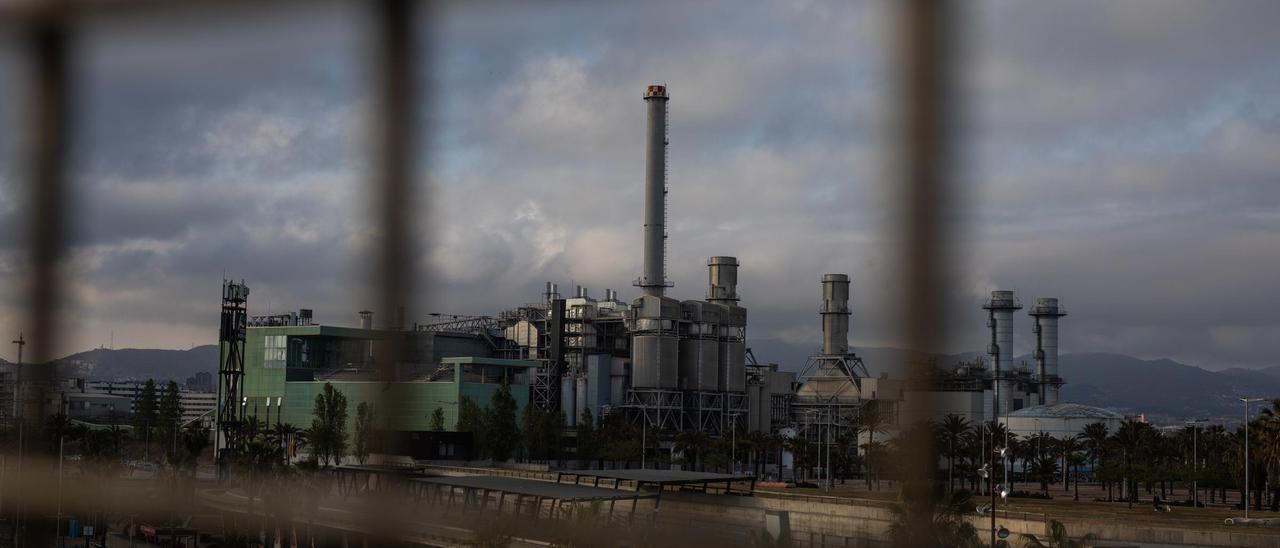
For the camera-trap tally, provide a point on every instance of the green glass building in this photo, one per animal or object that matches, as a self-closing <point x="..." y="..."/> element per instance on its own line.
<point x="287" y="366"/>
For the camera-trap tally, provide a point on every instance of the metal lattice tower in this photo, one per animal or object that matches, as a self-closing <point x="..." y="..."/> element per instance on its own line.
<point x="231" y="337"/>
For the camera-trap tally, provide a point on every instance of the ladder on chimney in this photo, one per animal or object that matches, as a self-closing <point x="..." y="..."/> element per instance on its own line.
<point x="666" y="190"/>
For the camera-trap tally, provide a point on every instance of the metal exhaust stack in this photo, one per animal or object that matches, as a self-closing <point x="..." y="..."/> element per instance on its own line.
<point x="1046" y="313"/>
<point x="835" y="314"/>
<point x="723" y="280"/>
<point x="653" y="277"/>
<point x="1000" y="319"/>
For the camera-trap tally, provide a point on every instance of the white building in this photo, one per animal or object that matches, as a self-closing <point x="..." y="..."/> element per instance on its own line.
<point x="1061" y="419"/>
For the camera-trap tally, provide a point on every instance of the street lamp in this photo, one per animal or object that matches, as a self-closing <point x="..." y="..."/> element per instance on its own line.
<point x="733" y="443"/>
<point x="1246" y="453"/>
<point x="1195" y="462"/>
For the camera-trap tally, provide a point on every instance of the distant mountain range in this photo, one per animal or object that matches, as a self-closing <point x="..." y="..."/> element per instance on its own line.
<point x="1164" y="390"/>
<point x="140" y="363"/>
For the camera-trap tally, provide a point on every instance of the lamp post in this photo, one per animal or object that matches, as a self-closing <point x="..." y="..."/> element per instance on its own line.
<point x="1195" y="462"/>
<point x="57" y="522"/>
<point x="1246" y="453"/>
<point x="733" y="443"/>
<point x="644" y="427"/>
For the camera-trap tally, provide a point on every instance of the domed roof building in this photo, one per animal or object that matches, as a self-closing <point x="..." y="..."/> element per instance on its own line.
<point x="1060" y="419"/>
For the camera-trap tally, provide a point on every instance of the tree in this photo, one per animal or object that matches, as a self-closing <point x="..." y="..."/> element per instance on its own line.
<point x="871" y="420"/>
<point x="952" y="428"/>
<point x="288" y="438"/>
<point x="472" y="419"/>
<point x="328" y="432"/>
<point x="540" y="431"/>
<point x="1130" y="439"/>
<point x="587" y="444"/>
<point x="366" y="430"/>
<point x="169" y="417"/>
<point x="55" y="427"/>
<point x="437" y="420"/>
<point x="692" y="444"/>
<point x="503" y="432"/>
<point x="930" y="518"/>
<point x="146" y="412"/>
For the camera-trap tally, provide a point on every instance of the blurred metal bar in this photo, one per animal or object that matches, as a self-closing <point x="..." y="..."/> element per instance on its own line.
<point x="395" y="144"/>
<point x="48" y="43"/>
<point x="924" y="164"/>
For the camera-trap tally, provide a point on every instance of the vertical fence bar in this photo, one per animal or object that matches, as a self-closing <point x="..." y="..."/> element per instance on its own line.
<point x="923" y="167"/>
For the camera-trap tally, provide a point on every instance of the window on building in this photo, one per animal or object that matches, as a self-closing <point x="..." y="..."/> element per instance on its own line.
<point x="274" y="351"/>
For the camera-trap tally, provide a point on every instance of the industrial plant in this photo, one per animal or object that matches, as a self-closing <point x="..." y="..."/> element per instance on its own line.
<point x="665" y="364"/>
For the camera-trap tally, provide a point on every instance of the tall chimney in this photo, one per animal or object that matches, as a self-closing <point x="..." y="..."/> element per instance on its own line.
<point x="1046" y="313"/>
<point x="835" y="314"/>
<point x="1000" y="309"/>
<point x="653" y="277"/>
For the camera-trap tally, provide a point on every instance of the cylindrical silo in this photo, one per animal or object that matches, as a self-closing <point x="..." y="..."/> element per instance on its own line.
<point x="733" y="349"/>
<point x="734" y="373"/>
<point x="835" y="314"/>
<point x="1046" y="313"/>
<point x="1001" y="307"/>
<point x="655" y="359"/>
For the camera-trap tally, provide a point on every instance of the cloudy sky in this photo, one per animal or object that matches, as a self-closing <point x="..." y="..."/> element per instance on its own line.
<point x="1124" y="156"/>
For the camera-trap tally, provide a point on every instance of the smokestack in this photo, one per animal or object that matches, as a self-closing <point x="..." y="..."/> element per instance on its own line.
<point x="366" y="319"/>
<point x="723" y="280"/>
<point x="1000" y="319"/>
<point x="835" y="314"/>
<point x="653" y="277"/>
<point x="1046" y="313"/>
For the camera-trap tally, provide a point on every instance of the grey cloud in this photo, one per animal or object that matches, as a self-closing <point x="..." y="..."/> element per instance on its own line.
<point x="1115" y="158"/>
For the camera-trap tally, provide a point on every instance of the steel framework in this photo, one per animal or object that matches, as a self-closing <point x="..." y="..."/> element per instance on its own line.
<point x="656" y="408"/>
<point x="231" y="336"/>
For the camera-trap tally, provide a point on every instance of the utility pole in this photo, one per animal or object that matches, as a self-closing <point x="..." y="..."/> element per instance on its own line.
<point x="57" y="523"/>
<point x="1246" y="453"/>
<point x="17" y="381"/>
<point x="1195" y="462"/>
<point x="18" y="415"/>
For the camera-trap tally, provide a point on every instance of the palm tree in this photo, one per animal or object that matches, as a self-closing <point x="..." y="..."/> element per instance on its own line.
<point x="871" y="420"/>
<point x="257" y="458"/>
<point x="934" y="519"/>
<point x="1075" y="461"/>
<point x="1068" y="446"/>
<point x="1044" y="469"/>
<point x="288" y="438"/>
<point x="1130" y="438"/>
<point x="1095" y="442"/>
<point x="952" y="429"/>
<point x="1269" y="449"/>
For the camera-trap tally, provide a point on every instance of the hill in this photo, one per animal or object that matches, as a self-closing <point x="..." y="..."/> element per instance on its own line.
<point x="140" y="363"/>
<point x="1163" y="388"/>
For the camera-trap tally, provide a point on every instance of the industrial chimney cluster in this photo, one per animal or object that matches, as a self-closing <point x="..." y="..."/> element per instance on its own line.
<point x="687" y="357"/>
<point x="1045" y="382"/>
